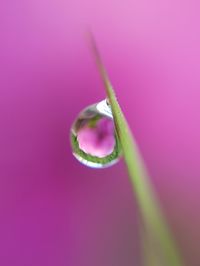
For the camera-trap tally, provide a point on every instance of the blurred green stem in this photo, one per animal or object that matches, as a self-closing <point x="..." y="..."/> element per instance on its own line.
<point x="158" y="243"/>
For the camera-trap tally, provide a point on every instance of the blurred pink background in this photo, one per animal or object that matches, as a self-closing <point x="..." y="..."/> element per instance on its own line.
<point x="53" y="210"/>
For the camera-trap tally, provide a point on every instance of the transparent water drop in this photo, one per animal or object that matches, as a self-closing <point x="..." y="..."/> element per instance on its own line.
<point x="93" y="137"/>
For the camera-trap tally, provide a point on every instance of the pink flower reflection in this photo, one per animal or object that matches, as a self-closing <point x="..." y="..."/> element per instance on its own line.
<point x="99" y="140"/>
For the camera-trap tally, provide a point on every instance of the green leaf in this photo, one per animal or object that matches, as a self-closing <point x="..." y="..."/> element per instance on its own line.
<point x="158" y="242"/>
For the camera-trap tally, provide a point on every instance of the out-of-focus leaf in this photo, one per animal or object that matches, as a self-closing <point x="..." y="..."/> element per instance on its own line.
<point x="159" y="245"/>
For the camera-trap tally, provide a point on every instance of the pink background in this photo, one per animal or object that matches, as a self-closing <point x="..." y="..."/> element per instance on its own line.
<point x="54" y="211"/>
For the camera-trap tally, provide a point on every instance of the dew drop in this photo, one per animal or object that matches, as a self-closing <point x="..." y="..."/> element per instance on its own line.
<point x="93" y="137"/>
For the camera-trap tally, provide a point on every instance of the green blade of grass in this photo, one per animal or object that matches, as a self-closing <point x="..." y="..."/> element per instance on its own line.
<point x="159" y="237"/>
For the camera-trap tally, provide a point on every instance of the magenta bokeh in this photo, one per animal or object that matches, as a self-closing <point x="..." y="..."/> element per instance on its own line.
<point x="53" y="210"/>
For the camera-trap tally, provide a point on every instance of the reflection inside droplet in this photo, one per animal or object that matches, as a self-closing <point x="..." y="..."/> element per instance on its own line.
<point x="93" y="137"/>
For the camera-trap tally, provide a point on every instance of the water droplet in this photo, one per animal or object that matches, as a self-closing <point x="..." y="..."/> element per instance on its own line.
<point x="93" y="137"/>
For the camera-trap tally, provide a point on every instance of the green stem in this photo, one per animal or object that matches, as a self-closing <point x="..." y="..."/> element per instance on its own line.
<point x="159" y="235"/>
